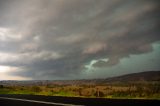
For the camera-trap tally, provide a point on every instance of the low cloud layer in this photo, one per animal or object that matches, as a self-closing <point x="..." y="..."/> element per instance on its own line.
<point x="49" y="39"/>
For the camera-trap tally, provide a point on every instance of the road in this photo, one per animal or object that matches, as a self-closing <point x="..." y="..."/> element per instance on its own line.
<point x="33" y="100"/>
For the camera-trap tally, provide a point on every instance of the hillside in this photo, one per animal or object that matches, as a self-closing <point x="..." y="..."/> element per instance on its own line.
<point x="142" y="76"/>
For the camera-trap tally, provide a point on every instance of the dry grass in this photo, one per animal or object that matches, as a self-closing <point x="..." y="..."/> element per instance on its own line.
<point x="106" y="91"/>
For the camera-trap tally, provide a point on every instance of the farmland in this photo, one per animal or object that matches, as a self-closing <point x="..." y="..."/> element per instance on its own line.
<point x="97" y="88"/>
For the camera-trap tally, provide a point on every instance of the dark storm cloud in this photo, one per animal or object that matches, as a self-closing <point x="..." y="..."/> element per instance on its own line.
<point x="57" y="38"/>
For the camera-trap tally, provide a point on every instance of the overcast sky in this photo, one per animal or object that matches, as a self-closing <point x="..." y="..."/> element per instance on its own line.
<point x="76" y="39"/>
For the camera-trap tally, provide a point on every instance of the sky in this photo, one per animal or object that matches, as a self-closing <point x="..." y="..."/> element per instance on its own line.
<point x="78" y="39"/>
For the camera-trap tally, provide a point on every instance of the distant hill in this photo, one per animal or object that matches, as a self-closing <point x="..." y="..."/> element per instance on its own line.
<point x="134" y="77"/>
<point x="142" y="76"/>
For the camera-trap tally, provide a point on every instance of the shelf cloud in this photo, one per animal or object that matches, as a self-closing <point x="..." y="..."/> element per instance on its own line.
<point x="49" y="39"/>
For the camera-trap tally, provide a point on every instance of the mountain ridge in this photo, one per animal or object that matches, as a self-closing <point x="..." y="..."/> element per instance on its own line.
<point x="139" y="76"/>
<point x="133" y="77"/>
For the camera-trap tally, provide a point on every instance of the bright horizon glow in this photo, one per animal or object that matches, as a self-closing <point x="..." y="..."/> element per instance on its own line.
<point x="3" y="76"/>
<point x="4" y="69"/>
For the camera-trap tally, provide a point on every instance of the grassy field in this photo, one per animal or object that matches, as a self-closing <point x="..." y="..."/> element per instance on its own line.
<point x="115" y="90"/>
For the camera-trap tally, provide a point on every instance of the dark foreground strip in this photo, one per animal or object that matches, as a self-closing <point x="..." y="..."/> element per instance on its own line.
<point x="43" y="102"/>
<point x="80" y="101"/>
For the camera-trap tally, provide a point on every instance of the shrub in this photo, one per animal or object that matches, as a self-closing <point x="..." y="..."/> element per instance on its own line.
<point x="36" y="89"/>
<point x="98" y="93"/>
<point x="1" y="86"/>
